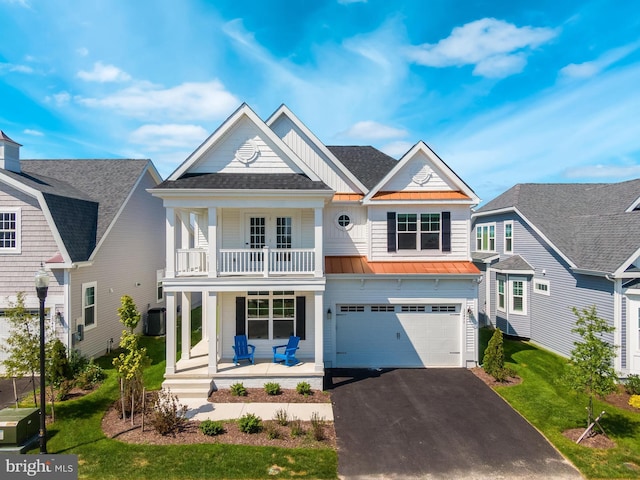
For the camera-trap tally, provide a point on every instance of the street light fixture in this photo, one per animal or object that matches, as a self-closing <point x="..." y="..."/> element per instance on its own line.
<point x="42" y="285"/>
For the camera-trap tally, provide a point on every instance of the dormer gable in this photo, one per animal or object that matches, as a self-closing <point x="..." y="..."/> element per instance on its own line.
<point x="313" y="152"/>
<point x="421" y="175"/>
<point x="243" y="144"/>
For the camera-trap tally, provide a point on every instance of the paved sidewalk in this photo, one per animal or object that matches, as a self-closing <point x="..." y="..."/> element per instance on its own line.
<point x="202" y="410"/>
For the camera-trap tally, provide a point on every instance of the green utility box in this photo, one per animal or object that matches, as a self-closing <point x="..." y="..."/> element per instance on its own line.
<point x="18" y="425"/>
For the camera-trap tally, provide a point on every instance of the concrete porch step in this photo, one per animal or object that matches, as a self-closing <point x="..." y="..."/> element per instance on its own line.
<point x="188" y="387"/>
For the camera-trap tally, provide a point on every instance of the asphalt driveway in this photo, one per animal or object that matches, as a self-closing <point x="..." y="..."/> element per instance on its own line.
<point x="7" y="397"/>
<point x="434" y="424"/>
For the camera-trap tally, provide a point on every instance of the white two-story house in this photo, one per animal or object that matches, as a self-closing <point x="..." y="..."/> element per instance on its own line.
<point x="365" y="258"/>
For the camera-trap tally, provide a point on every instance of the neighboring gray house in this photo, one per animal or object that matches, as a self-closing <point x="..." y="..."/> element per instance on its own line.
<point x="97" y="231"/>
<point x="545" y="248"/>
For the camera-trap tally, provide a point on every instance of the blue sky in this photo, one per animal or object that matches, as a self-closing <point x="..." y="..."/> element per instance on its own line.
<point x="505" y="92"/>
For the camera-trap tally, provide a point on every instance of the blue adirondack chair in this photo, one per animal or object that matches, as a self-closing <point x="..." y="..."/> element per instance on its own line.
<point x="242" y="349"/>
<point x="288" y="356"/>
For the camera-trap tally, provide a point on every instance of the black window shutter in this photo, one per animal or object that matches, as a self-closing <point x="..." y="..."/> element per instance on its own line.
<point x="446" y="231"/>
<point x="240" y="315"/>
<point x="391" y="232"/>
<point x="301" y="317"/>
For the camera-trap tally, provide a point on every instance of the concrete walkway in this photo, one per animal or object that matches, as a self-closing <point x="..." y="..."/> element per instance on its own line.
<point x="199" y="409"/>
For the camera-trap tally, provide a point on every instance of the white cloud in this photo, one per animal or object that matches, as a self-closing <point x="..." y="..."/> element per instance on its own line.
<point x="603" y="172"/>
<point x="396" y="149"/>
<point x="59" y="99"/>
<point x="191" y="101"/>
<point x="157" y="137"/>
<point x="589" y="69"/>
<point x="104" y="73"/>
<point x="495" y="47"/>
<point x="35" y="133"/>
<point x="369" y="130"/>
<point x="10" y="67"/>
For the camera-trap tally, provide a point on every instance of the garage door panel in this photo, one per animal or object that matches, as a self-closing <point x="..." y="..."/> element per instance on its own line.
<point x="385" y="339"/>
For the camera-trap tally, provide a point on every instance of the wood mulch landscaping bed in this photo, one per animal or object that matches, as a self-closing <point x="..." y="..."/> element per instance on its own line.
<point x="114" y="427"/>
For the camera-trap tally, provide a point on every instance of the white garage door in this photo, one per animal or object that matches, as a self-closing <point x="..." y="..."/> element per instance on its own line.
<point x="398" y="336"/>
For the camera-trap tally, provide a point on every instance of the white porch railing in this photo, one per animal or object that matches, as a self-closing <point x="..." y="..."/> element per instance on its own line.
<point x="191" y="261"/>
<point x="290" y="261"/>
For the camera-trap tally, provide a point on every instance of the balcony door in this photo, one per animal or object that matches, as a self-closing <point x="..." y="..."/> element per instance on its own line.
<point x="273" y="232"/>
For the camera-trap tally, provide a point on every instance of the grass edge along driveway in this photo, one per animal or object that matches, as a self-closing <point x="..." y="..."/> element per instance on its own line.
<point x="551" y="407"/>
<point x="78" y="431"/>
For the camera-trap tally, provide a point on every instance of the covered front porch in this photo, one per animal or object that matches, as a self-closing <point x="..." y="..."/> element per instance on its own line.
<point x="266" y="313"/>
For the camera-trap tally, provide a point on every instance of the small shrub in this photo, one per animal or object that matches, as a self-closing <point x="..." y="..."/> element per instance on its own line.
<point x="303" y="388"/>
<point x="296" y="428"/>
<point x="167" y="415"/>
<point x="281" y="417"/>
<point x="63" y="390"/>
<point x="317" y="426"/>
<point x="634" y="401"/>
<point x="493" y="361"/>
<point x="272" y="388"/>
<point x="272" y="431"/>
<point x="632" y="385"/>
<point x="57" y="364"/>
<point x="77" y="363"/>
<point x="238" y="390"/>
<point x="250" y="423"/>
<point x="90" y="376"/>
<point x="211" y="427"/>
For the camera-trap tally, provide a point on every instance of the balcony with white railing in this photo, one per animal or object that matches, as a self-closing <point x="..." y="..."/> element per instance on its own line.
<point x="250" y="262"/>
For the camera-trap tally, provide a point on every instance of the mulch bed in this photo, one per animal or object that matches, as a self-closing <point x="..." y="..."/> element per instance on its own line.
<point x="259" y="395"/>
<point x="114" y="427"/>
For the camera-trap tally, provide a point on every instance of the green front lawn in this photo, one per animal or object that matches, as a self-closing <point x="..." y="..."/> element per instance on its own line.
<point x="77" y="431"/>
<point x="553" y="408"/>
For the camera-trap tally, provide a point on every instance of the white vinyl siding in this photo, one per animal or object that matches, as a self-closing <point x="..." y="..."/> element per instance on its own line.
<point x="345" y="241"/>
<point x="419" y="175"/>
<point x="311" y="155"/>
<point x="223" y="156"/>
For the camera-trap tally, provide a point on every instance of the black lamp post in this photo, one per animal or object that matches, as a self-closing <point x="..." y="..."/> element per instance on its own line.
<point x="42" y="285"/>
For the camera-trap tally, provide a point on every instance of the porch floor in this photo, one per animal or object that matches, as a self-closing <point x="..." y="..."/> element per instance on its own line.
<point x="262" y="367"/>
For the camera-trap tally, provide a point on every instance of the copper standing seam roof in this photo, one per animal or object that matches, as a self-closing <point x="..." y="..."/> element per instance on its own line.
<point x="420" y="196"/>
<point x="347" y="197"/>
<point x="360" y="265"/>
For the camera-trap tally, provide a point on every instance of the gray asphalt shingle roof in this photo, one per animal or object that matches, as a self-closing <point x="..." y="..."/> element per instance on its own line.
<point x="586" y="222"/>
<point x="367" y="164"/>
<point x="513" y="263"/>
<point x="83" y="196"/>
<point x="245" y="181"/>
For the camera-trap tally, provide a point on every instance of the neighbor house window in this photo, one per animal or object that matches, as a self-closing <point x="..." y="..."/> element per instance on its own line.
<point x="508" y="237"/>
<point x="270" y="315"/>
<point x="518" y="296"/>
<point x="10" y="231"/>
<point x="89" y="304"/>
<point x="501" y="303"/>
<point x="486" y="238"/>
<point x="418" y="232"/>
<point x="541" y="286"/>
<point x="159" y="287"/>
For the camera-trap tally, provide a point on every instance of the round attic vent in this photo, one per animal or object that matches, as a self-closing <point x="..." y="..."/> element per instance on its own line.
<point x="423" y="176"/>
<point x="247" y="152"/>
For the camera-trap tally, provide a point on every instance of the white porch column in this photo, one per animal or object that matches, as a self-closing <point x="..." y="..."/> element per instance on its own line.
<point x="203" y="315"/>
<point x="318" y="243"/>
<point x="212" y="239"/>
<point x="185" y="236"/>
<point x="186" y="325"/>
<point x="212" y="308"/>
<point x="170" y="298"/>
<point x="318" y="321"/>
<point x="170" y="243"/>
<point x="618" y="298"/>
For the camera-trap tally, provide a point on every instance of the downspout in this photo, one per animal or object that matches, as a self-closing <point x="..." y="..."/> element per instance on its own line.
<point x="617" y="319"/>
